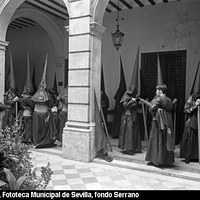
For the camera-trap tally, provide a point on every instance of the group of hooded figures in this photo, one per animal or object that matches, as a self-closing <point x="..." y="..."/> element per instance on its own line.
<point x="44" y="114"/>
<point x="161" y="142"/>
<point x="41" y="114"/>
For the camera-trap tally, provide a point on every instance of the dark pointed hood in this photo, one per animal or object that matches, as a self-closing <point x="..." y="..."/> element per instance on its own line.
<point x="33" y="80"/>
<point x="41" y="94"/>
<point x="159" y="73"/>
<point x="134" y="87"/>
<point x="55" y="85"/>
<point x="43" y="82"/>
<point x="122" y="85"/>
<point x="11" y="91"/>
<point x="102" y="80"/>
<point x="7" y="80"/>
<point x="195" y="90"/>
<point x="12" y="83"/>
<point x="29" y="85"/>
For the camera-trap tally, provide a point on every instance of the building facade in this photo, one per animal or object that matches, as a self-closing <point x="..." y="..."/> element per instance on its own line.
<point x="79" y="43"/>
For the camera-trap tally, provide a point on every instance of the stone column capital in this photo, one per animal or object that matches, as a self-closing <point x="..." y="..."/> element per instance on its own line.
<point x="3" y="45"/>
<point x="96" y="29"/>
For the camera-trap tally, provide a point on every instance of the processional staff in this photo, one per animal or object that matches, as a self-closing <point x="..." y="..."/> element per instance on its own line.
<point x="198" y="119"/>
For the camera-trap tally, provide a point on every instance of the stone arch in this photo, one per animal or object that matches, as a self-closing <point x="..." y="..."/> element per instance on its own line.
<point x="47" y="24"/>
<point x="99" y="7"/>
<point x="17" y="3"/>
<point x="7" y="13"/>
<point x="43" y="20"/>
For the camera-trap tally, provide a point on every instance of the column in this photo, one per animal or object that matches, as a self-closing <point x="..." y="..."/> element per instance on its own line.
<point x="3" y="45"/>
<point x="84" y="76"/>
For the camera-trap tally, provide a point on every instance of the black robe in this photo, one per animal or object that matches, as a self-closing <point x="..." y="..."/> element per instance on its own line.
<point x="189" y="143"/>
<point x="9" y="114"/>
<point x="130" y="136"/>
<point x="62" y="118"/>
<point x="43" y="136"/>
<point x="117" y="118"/>
<point x="27" y="113"/>
<point x="160" y="149"/>
<point x="105" y="105"/>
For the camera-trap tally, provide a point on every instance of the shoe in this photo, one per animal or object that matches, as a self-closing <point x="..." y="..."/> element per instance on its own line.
<point x="107" y="158"/>
<point x="187" y="161"/>
<point x="128" y="152"/>
<point x="46" y="146"/>
<point x="155" y="165"/>
<point x="104" y="157"/>
<point x="150" y="163"/>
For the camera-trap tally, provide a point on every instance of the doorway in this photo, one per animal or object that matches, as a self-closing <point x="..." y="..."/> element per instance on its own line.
<point x="173" y="69"/>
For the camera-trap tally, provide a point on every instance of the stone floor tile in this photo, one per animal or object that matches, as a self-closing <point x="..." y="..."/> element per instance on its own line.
<point x="71" y="176"/>
<point x="60" y="182"/>
<point x="75" y="181"/>
<point x="90" y="180"/>
<point x="58" y="176"/>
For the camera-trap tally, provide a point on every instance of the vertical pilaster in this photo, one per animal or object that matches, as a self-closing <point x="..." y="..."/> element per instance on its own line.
<point x="3" y="45"/>
<point x="83" y="77"/>
<point x="77" y="132"/>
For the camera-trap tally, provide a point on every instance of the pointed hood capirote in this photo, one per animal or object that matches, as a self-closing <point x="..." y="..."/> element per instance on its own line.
<point x="41" y="94"/>
<point x="134" y="88"/>
<point x="195" y="90"/>
<point x="33" y="80"/>
<point x="55" y="85"/>
<point x="43" y="82"/>
<point x="29" y="84"/>
<point x="159" y="72"/>
<point x="12" y="83"/>
<point x="11" y="92"/>
<point x="7" y="80"/>
<point x="102" y="80"/>
<point x="122" y="85"/>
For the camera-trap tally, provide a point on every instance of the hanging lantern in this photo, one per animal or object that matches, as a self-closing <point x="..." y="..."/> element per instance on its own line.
<point x="117" y="36"/>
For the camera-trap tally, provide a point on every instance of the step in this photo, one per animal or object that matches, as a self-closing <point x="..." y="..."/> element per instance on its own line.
<point x="175" y="171"/>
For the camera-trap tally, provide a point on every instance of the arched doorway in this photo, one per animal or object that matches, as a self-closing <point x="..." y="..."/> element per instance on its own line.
<point x="56" y="33"/>
<point x="44" y="36"/>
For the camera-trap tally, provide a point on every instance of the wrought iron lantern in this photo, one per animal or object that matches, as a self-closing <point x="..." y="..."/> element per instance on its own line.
<point x="117" y="36"/>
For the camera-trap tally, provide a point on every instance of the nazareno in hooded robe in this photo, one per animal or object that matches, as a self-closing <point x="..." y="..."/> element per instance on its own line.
<point x="130" y="136"/>
<point x="62" y="113"/>
<point x="42" y="137"/>
<point x="160" y="149"/>
<point x="10" y="113"/>
<point x="189" y="143"/>
<point x="27" y="106"/>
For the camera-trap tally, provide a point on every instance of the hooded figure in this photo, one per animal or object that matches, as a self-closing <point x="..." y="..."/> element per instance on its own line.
<point x="189" y="142"/>
<point x="33" y="80"/>
<point x="130" y="136"/>
<point x="161" y="144"/>
<point x="62" y="113"/>
<point x="10" y="99"/>
<point x="118" y="107"/>
<point x="102" y="143"/>
<point x="42" y="136"/>
<point x="53" y="107"/>
<point x="27" y="106"/>
<point x="104" y="98"/>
